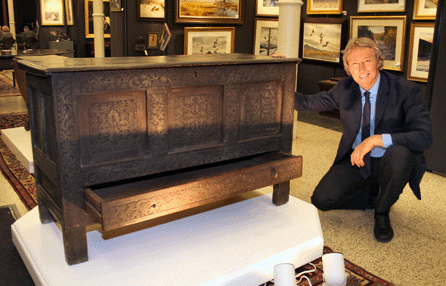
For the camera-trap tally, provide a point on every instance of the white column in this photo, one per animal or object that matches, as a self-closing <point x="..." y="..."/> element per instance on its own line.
<point x="11" y="17"/>
<point x="98" y="28"/>
<point x="288" y="43"/>
<point x="289" y="28"/>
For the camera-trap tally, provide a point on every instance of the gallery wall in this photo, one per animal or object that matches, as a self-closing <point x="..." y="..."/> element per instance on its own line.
<point x="126" y="27"/>
<point x="317" y="71"/>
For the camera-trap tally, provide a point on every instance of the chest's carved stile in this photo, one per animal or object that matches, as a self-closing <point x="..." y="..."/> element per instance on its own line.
<point x="124" y="140"/>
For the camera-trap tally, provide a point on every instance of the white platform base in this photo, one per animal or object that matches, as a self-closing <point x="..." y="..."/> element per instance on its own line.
<point x="237" y="244"/>
<point x="18" y="141"/>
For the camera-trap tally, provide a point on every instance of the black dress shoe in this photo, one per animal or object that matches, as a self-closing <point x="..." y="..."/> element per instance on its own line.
<point x="383" y="230"/>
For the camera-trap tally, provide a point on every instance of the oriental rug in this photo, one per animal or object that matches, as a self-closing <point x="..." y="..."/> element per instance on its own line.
<point x="21" y="180"/>
<point x="7" y="86"/>
<point x="356" y="276"/>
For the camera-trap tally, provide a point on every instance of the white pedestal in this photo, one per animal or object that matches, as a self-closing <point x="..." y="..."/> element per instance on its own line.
<point x="237" y="244"/>
<point x="18" y="141"/>
<point x="289" y="28"/>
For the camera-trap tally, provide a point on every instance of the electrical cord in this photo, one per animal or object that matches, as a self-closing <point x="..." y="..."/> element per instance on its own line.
<point x="306" y="272"/>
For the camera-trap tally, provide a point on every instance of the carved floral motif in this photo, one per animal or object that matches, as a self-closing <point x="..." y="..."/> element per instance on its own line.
<point x="113" y="126"/>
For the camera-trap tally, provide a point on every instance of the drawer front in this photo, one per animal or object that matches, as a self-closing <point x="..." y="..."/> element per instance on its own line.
<point x="119" y="210"/>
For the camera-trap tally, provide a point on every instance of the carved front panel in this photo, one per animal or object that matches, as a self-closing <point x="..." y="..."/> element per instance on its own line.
<point x="195" y="117"/>
<point x="261" y="109"/>
<point x="112" y="126"/>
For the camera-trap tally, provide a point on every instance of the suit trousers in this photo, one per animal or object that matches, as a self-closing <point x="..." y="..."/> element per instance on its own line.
<point x="343" y="187"/>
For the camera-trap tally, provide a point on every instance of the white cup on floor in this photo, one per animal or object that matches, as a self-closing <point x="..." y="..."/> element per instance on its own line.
<point x="334" y="269"/>
<point x="284" y="275"/>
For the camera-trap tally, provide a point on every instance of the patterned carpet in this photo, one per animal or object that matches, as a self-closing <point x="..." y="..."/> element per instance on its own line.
<point x="356" y="276"/>
<point x="6" y="86"/>
<point x="18" y="176"/>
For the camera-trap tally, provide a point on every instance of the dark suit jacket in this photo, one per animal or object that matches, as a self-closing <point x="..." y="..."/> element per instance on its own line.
<point x="400" y="112"/>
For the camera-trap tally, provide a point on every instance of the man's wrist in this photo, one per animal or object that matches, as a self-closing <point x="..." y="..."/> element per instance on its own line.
<point x="378" y="140"/>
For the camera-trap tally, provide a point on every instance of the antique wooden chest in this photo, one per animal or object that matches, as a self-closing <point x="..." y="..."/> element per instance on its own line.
<point x="118" y="141"/>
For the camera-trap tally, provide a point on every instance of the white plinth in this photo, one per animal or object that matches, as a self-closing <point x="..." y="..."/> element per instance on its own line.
<point x="237" y="244"/>
<point x="18" y="141"/>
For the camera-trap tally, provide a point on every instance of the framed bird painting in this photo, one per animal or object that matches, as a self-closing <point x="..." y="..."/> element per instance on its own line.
<point x="265" y="36"/>
<point x="208" y="40"/>
<point x="323" y="39"/>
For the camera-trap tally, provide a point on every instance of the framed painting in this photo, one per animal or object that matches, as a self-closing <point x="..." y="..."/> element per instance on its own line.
<point x="164" y="37"/>
<point x="153" y="40"/>
<point x="425" y="9"/>
<point x="265" y="36"/>
<point x="89" y="30"/>
<point x="381" y="5"/>
<point x="324" y="6"/>
<point x="151" y="10"/>
<point x="420" y="51"/>
<point x="69" y="12"/>
<point x="52" y="12"/>
<point x="115" y="5"/>
<point x="388" y="31"/>
<point x="323" y="39"/>
<point x="267" y="8"/>
<point x="208" y="40"/>
<point x="209" y="11"/>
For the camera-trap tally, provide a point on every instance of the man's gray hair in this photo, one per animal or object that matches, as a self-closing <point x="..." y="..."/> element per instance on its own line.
<point x="362" y="42"/>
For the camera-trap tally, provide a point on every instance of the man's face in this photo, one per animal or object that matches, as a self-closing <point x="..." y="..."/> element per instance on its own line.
<point x="363" y="66"/>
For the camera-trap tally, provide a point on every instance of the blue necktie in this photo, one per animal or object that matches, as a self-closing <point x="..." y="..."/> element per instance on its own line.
<point x="365" y="171"/>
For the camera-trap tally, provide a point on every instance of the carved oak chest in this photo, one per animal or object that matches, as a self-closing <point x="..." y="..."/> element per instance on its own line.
<point x="118" y="141"/>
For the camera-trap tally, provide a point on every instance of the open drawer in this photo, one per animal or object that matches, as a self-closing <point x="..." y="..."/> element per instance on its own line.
<point x="133" y="201"/>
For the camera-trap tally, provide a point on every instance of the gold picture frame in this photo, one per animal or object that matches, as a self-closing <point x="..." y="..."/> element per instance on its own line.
<point x="69" y="12"/>
<point x="420" y="51"/>
<point x="209" y="11"/>
<point x="267" y="8"/>
<point x="324" y="6"/>
<point x="381" y="6"/>
<point x="52" y="12"/>
<point x="153" y="40"/>
<point x="425" y="9"/>
<point x="89" y="32"/>
<point x="388" y="31"/>
<point x="209" y="40"/>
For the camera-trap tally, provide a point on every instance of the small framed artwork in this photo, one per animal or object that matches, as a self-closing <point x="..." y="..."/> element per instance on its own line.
<point x="388" y="31"/>
<point x="425" y="9"/>
<point x="89" y="30"/>
<point x="209" y="11"/>
<point x="151" y="10"/>
<point x="267" y="8"/>
<point x="324" y="6"/>
<point x="153" y="40"/>
<point x="420" y="51"/>
<point x="69" y="12"/>
<point x="265" y="36"/>
<point x="52" y="12"/>
<point x="381" y="5"/>
<point x="115" y="5"/>
<point x="164" y="37"/>
<point x="208" y="40"/>
<point x="323" y="39"/>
